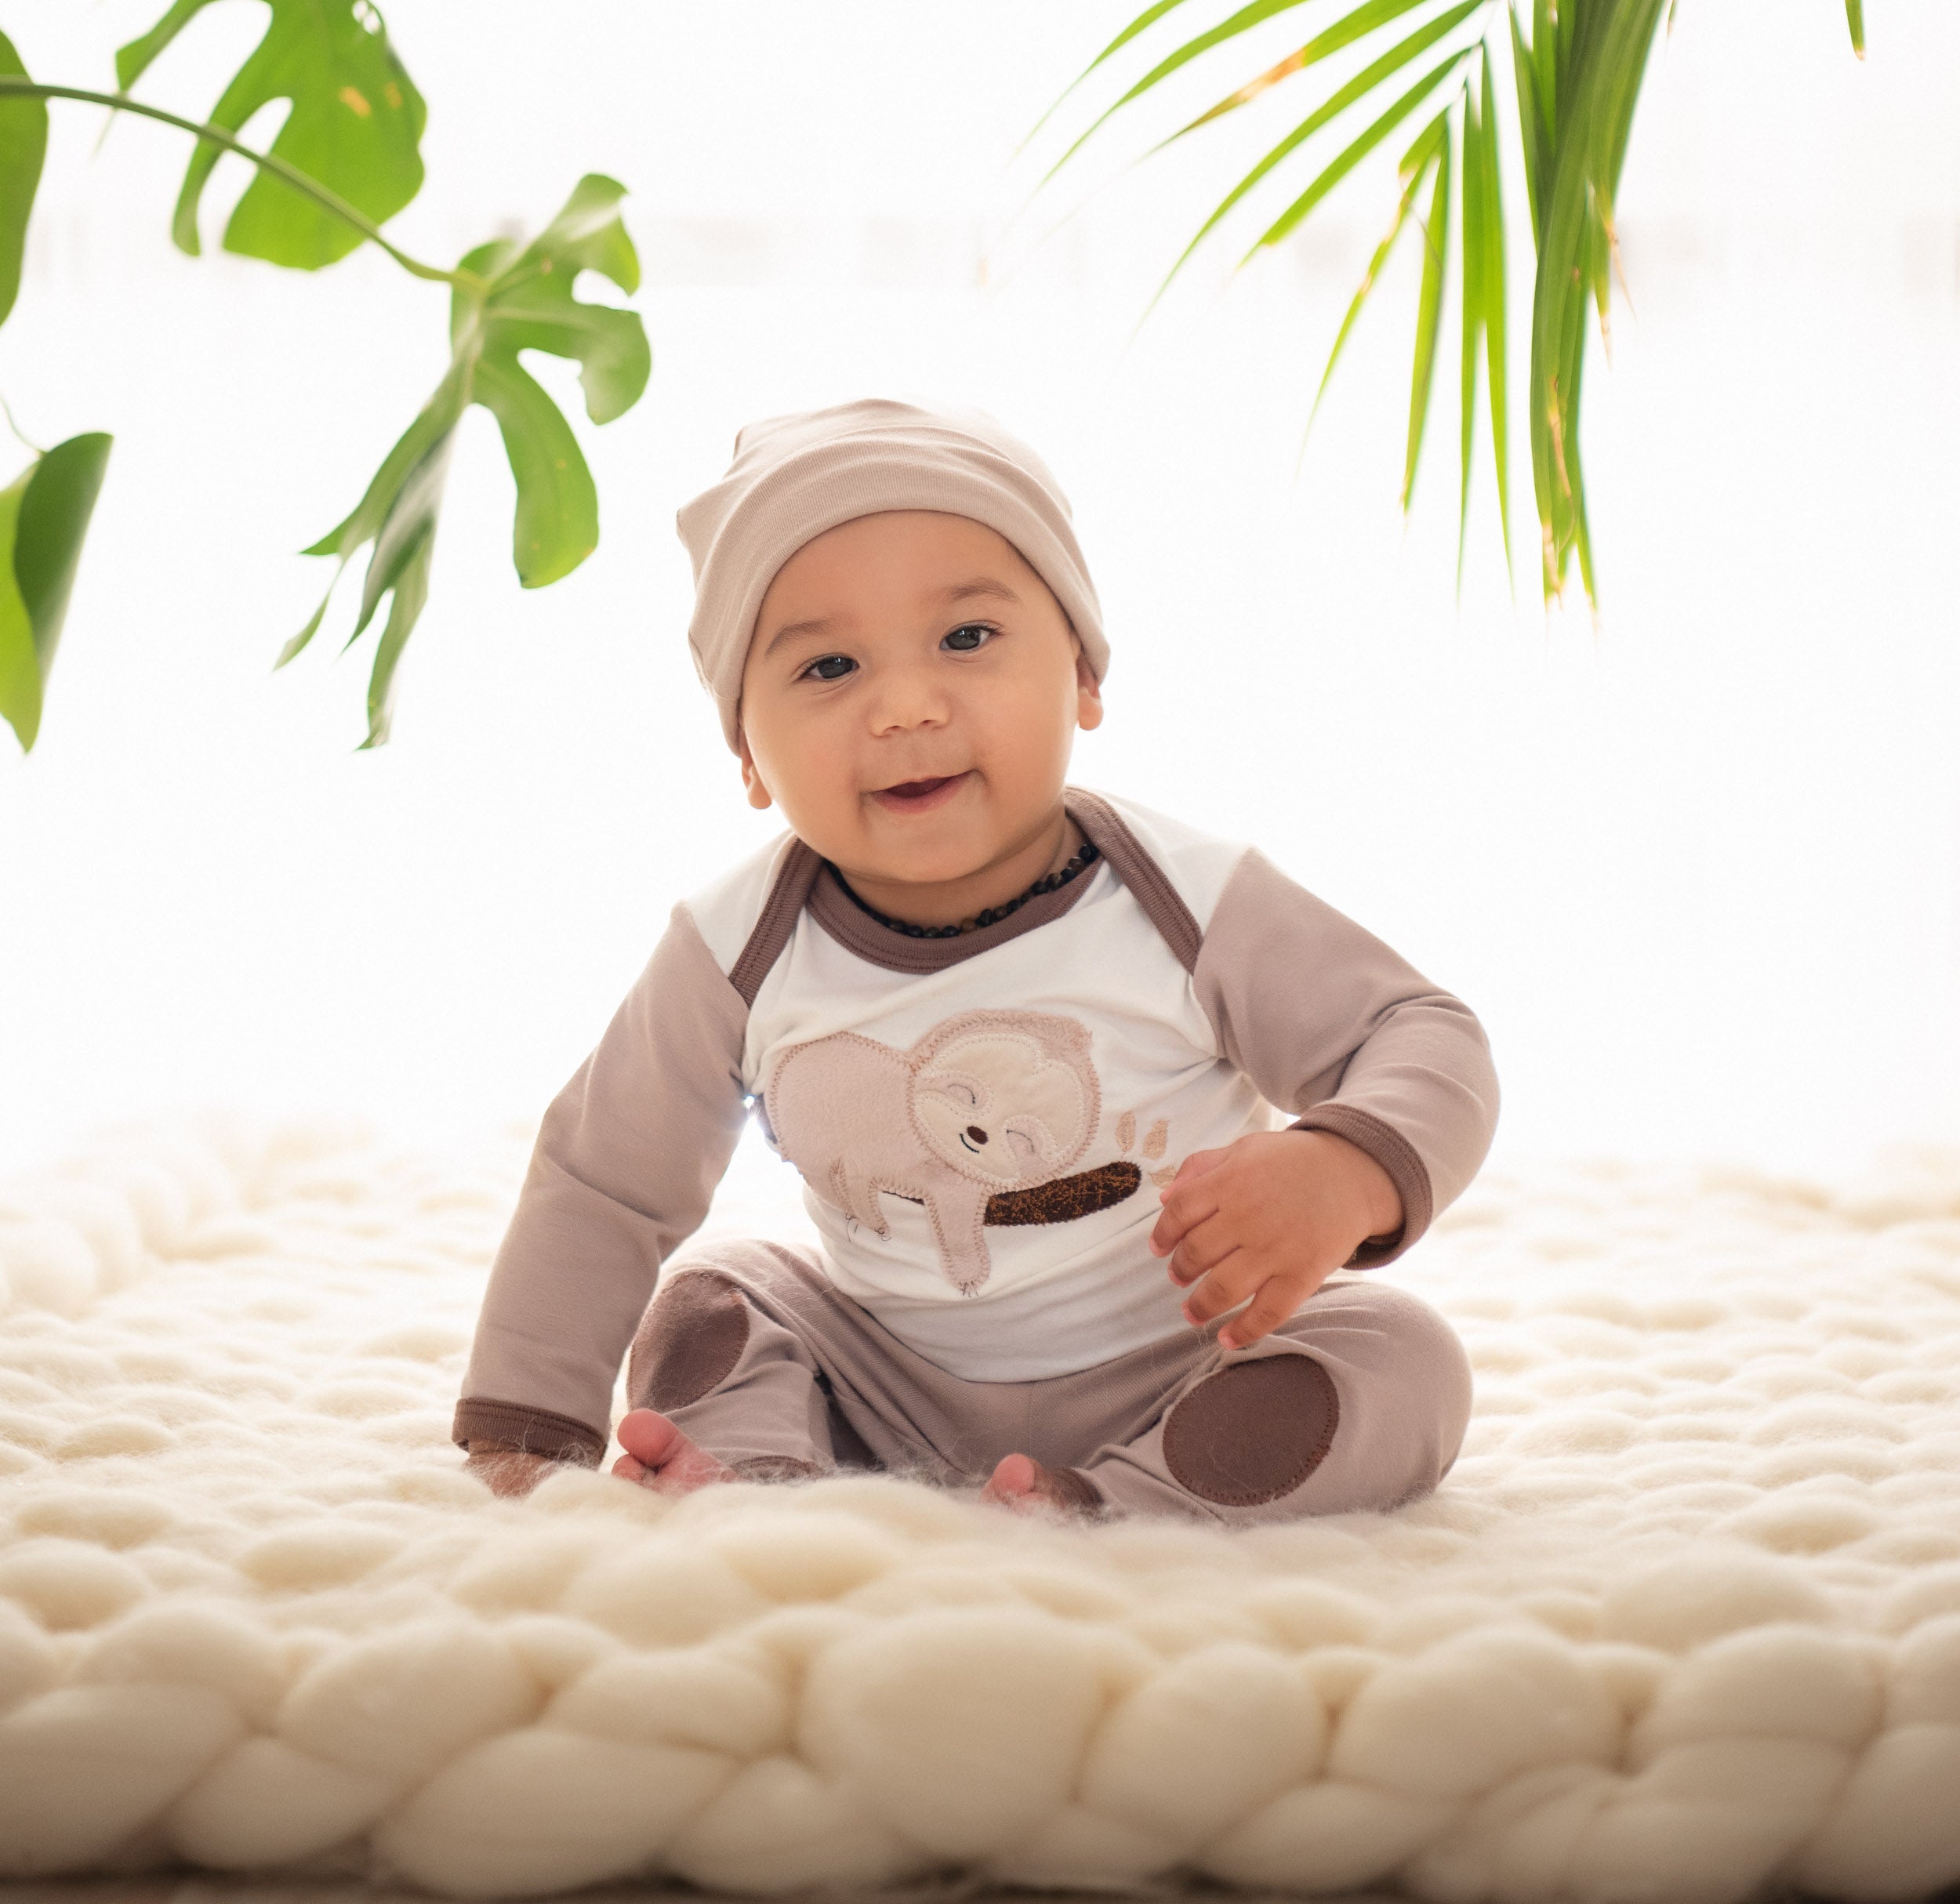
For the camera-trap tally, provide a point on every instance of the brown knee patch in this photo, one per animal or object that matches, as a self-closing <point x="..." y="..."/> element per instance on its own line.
<point x="693" y="1335"/>
<point x="1254" y="1431"/>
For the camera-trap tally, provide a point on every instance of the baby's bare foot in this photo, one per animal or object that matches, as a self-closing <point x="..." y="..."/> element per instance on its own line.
<point x="1021" y="1482"/>
<point x="659" y="1456"/>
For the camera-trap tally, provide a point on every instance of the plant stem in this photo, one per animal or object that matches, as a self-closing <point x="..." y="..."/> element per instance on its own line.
<point x="14" y="87"/>
<point x="7" y="411"/>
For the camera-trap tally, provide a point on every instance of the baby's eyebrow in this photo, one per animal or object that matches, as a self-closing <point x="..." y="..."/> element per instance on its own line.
<point x="981" y="584"/>
<point x="957" y="592"/>
<point x="822" y="625"/>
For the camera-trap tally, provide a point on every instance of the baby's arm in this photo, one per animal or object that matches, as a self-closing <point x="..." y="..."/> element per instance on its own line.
<point x="1269" y="1218"/>
<point x="1389" y="1078"/>
<point x="626" y="1161"/>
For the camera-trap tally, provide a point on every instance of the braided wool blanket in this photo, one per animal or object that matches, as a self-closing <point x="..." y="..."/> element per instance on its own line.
<point x="1684" y="1621"/>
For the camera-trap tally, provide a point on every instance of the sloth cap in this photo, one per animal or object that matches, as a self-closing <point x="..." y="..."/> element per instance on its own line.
<point x="794" y="477"/>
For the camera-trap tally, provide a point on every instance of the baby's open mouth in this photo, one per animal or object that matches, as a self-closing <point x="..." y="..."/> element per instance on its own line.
<point x="918" y="796"/>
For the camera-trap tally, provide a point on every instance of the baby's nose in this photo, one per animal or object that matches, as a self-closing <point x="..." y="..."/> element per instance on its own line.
<point x="977" y="1135"/>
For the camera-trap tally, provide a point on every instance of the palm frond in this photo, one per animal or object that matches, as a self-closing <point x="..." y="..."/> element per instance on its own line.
<point x="1436" y="233"/>
<point x="1599" y="85"/>
<point x="1352" y="154"/>
<point x="1534" y="130"/>
<point x="1416" y="163"/>
<point x="1492" y="294"/>
<point x="1345" y="31"/>
<point x="1577" y="67"/>
<point x="1372" y="75"/>
<point x="1475" y="267"/>
<point x="1257" y="13"/>
<point x="1143" y="23"/>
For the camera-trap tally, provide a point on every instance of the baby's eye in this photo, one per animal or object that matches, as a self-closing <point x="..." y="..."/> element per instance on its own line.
<point x="829" y="668"/>
<point x="968" y="636"/>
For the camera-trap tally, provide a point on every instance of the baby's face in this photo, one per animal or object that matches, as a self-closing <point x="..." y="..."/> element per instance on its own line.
<point x="910" y="698"/>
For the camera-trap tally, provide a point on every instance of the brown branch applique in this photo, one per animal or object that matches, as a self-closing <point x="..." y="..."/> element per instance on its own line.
<point x="1065" y="1198"/>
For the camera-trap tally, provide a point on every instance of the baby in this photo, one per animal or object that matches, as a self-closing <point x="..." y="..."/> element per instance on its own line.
<point x="1024" y="1043"/>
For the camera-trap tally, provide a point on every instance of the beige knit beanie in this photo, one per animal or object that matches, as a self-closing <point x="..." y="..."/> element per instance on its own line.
<point x="795" y="477"/>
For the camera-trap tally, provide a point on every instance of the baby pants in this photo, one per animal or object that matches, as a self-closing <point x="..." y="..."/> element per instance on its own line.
<point x="1358" y="1401"/>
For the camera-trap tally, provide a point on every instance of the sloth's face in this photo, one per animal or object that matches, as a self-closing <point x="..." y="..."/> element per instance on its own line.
<point x="998" y="1108"/>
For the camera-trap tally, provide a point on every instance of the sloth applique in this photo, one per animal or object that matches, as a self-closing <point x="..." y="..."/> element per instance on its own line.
<point x="979" y="1122"/>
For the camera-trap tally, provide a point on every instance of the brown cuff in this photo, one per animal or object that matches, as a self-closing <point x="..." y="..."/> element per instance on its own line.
<point x="531" y="1431"/>
<point x="1396" y="1155"/>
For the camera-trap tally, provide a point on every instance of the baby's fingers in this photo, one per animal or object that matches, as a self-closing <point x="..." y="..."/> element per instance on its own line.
<point x="1278" y="1297"/>
<point x="1224" y="1286"/>
<point x="1188" y="1200"/>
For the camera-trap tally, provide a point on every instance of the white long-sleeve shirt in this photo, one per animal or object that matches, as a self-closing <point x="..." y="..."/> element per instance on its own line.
<point x="981" y="1120"/>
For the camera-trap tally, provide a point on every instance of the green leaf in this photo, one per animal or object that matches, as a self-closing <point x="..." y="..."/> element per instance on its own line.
<point x="355" y="126"/>
<point x="1296" y="214"/>
<point x="1143" y="23"/>
<point x="20" y="682"/>
<point x="1854" y="18"/>
<point x="1429" y="314"/>
<point x="410" y="524"/>
<point x="1337" y="102"/>
<point x="1599" y="94"/>
<point x="512" y="299"/>
<point x="530" y="306"/>
<point x="23" y="144"/>
<point x="439" y="416"/>
<point x="44" y="516"/>
<point x="405" y="610"/>
<point x="1242" y="21"/>
<point x="1414" y="169"/>
<point x="1345" y="31"/>
<point x="412" y="451"/>
<point x="1546" y="65"/>
<point x="1392" y="61"/>
<point x="1533" y="134"/>
<point x="1475" y="261"/>
<point x="558" y="522"/>
<point x="1491" y="200"/>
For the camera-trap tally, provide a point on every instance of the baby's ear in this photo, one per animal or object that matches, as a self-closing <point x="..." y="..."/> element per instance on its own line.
<point x="1088" y="694"/>
<point x="759" y="795"/>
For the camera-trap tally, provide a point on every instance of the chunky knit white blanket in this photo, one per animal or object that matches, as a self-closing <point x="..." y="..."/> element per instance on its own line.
<point x="1685" y="1620"/>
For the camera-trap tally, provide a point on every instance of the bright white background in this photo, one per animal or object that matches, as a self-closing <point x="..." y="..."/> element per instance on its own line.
<point x="1697" y="867"/>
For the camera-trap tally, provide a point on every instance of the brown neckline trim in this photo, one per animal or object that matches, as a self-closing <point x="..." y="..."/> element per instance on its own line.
<point x="857" y="931"/>
<point x="801" y="866"/>
<point x="1146" y="879"/>
<point x="805" y="879"/>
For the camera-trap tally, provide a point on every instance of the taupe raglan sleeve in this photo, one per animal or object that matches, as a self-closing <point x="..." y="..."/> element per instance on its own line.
<point x="625" y="1163"/>
<point x="1336" y="1027"/>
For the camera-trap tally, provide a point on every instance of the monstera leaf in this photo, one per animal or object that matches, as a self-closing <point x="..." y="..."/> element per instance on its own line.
<point x="512" y="299"/>
<point x="43" y="514"/>
<point x="355" y="125"/>
<point x="23" y="144"/>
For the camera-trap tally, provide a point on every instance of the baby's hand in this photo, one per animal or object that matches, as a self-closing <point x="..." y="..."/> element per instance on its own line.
<point x="508" y="1472"/>
<point x="1270" y="1217"/>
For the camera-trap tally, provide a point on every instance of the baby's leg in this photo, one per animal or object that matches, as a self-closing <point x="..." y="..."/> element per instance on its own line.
<point x="1358" y="1401"/>
<point x="721" y="1388"/>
